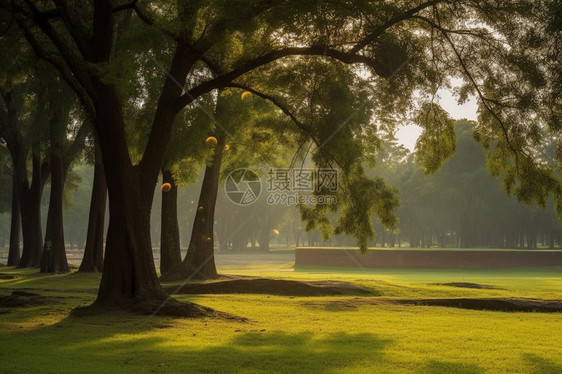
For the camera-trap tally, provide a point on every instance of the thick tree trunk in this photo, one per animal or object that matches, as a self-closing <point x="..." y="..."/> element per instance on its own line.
<point x="30" y="204"/>
<point x="200" y="258"/>
<point x="129" y="271"/>
<point x="129" y="274"/>
<point x="54" y="259"/>
<point x="15" y="227"/>
<point x="170" y="252"/>
<point x="93" y="252"/>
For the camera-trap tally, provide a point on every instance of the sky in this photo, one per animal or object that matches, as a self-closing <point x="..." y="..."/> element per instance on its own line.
<point x="407" y="135"/>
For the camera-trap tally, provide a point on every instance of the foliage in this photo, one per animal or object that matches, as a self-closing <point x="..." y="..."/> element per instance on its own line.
<point x="438" y="140"/>
<point x="340" y="71"/>
<point x="463" y="204"/>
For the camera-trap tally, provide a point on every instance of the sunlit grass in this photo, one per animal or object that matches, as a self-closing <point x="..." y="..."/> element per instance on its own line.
<point x="292" y="334"/>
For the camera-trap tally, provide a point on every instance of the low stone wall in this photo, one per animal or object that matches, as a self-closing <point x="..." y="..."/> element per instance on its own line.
<point x="400" y="258"/>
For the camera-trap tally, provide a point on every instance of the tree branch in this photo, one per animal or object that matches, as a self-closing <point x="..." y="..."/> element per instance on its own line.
<point x="102" y="39"/>
<point x="77" y="145"/>
<point x="391" y="22"/>
<point x="74" y="27"/>
<point x="483" y="99"/>
<point x="181" y="65"/>
<point x="291" y="116"/>
<point x="63" y="48"/>
<point x="60" y="65"/>
<point x="226" y="78"/>
<point x="144" y="18"/>
<point x="485" y="37"/>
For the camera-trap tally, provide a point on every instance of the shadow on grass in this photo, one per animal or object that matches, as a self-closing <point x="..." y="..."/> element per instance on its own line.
<point x="539" y="365"/>
<point x="102" y="344"/>
<point x="296" y="353"/>
<point x="445" y="367"/>
<point x="268" y="352"/>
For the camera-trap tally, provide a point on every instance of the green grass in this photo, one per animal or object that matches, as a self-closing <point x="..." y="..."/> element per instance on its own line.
<point x="292" y="334"/>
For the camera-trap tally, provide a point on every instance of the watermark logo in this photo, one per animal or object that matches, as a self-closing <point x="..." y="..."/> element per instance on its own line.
<point x="296" y="186"/>
<point x="289" y="199"/>
<point x="302" y="180"/>
<point x="284" y="186"/>
<point x="243" y="187"/>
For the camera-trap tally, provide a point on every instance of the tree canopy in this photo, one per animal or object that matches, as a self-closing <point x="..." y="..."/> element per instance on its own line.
<point x="341" y="71"/>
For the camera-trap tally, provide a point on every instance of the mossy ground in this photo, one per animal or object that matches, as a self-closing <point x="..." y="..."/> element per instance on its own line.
<point x="291" y="334"/>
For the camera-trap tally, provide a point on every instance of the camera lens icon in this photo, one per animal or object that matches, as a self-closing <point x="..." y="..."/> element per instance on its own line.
<point x="242" y="186"/>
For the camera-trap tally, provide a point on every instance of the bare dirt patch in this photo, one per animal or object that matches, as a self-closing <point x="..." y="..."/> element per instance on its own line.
<point x="22" y="299"/>
<point x="490" y="304"/>
<point x="467" y="285"/>
<point x="271" y="287"/>
<point x="174" y="308"/>
<point x="170" y="308"/>
<point x="494" y="304"/>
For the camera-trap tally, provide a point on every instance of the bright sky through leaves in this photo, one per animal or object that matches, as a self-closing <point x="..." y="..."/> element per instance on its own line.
<point x="407" y="135"/>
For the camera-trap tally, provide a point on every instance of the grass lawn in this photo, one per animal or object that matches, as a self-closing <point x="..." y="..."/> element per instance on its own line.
<point x="292" y="334"/>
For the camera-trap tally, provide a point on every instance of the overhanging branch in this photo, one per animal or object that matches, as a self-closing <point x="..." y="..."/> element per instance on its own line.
<point x="73" y="25"/>
<point x="301" y="126"/>
<point x="59" y="64"/>
<point x="226" y="78"/>
<point x="391" y="22"/>
<point x="484" y="100"/>
<point x="63" y="48"/>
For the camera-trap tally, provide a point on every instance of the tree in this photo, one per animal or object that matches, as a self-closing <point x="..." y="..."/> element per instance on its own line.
<point x="15" y="227"/>
<point x="435" y="36"/>
<point x="53" y="259"/>
<point x="93" y="251"/>
<point x="129" y="269"/>
<point x="64" y="147"/>
<point x="10" y="205"/>
<point x="181" y="163"/>
<point x="22" y="113"/>
<point x="250" y="126"/>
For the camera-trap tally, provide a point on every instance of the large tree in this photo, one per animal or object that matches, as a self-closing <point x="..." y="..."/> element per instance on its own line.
<point x="408" y="48"/>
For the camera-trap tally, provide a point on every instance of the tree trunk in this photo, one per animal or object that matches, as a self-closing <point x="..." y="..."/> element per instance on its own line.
<point x="200" y="258"/>
<point x="93" y="251"/>
<point x="15" y="227"/>
<point x="170" y="252"/>
<point x="129" y="274"/>
<point x="30" y="204"/>
<point x="264" y="237"/>
<point x="54" y="252"/>
<point x="129" y="271"/>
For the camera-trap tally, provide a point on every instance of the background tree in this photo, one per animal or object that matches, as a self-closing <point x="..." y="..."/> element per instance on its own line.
<point x="22" y="129"/>
<point x="66" y="141"/>
<point x="92" y="260"/>
<point x="7" y="192"/>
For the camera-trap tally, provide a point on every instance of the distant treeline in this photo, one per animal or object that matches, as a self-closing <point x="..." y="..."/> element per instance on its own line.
<point x="460" y="206"/>
<point x="464" y="206"/>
